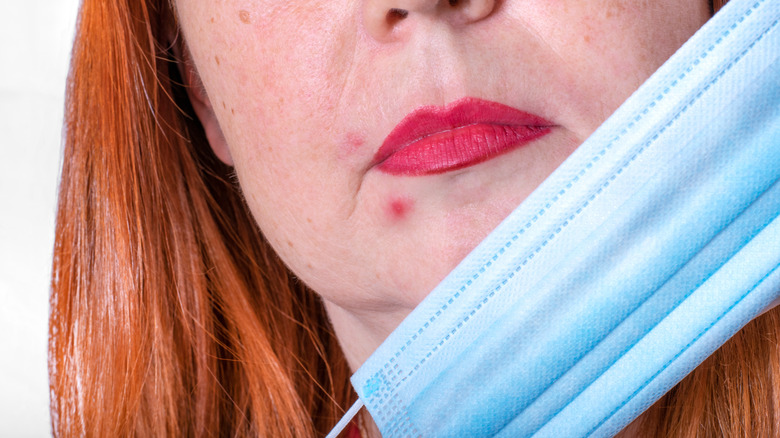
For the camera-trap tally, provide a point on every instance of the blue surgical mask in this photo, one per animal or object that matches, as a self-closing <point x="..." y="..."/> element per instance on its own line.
<point x="646" y="250"/>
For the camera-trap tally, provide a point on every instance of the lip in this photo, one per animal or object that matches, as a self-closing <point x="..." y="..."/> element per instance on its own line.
<point x="434" y="139"/>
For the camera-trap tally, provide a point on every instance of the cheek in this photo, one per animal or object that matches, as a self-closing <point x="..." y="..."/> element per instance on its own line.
<point x="277" y="65"/>
<point x="306" y="81"/>
<point x="603" y="50"/>
<point x="277" y="105"/>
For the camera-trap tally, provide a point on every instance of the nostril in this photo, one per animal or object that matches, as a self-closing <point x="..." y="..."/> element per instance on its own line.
<point x="395" y="15"/>
<point x="453" y="2"/>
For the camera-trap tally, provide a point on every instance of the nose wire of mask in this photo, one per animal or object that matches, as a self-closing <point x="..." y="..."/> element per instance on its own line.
<point x="655" y="242"/>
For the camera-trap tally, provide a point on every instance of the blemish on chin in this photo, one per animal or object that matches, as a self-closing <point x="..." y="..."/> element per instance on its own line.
<point x="398" y="208"/>
<point x="243" y="16"/>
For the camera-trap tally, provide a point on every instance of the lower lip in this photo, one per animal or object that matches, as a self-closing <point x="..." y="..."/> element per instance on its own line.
<point x="460" y="147"/>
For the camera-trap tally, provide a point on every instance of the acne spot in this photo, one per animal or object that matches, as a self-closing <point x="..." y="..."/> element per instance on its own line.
<point x="398" y="208"/>
<point x="586" y="38"/>
<point x="355" y="140"/>
<point x="216" y="59"/>
<point x="243" y="16"/>
<point x="351" y="144"/>
<point x="212" y="20"/>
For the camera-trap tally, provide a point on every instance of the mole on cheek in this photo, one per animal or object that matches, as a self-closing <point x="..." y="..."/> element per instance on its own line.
<point x="398" y="208"/>
<point x="243" y="16"/>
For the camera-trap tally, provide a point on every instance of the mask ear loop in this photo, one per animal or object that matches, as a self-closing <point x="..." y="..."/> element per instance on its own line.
<point x="346" y="419"/>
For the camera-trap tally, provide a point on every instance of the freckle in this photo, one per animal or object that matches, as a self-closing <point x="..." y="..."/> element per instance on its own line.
<point x="244" y="16"/>
<point x="586" y="38"/>
<point x="223" y="105"/>
<point x="398" y="208"/>
<point x="212" y="19"/>
<point x="216" y="58"/>
<point x="308" y="219"/>
<point x="290" y="244"/>
<point x="309" y="265"/>
<point x="232" y="111"/>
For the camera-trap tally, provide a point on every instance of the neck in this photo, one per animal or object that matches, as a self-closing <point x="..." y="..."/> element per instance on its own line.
<point x="361" y="331"/>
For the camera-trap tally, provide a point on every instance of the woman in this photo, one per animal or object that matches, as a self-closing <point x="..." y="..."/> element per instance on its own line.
<point x="189" y="126"/>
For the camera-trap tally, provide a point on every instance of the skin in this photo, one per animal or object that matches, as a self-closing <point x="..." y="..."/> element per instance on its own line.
<point x="299" y="95"/>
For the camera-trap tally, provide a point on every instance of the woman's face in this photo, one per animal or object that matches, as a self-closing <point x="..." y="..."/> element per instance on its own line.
<point x="303" y="94"/>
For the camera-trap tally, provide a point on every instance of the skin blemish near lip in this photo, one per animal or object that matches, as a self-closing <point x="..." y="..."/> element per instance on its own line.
<point x="398" y="208"/>
<point x="351" y="144"/>
<point x="243" y="16"/>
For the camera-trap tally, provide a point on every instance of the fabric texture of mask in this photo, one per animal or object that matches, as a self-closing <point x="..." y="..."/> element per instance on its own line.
<point x="655" y="242"/>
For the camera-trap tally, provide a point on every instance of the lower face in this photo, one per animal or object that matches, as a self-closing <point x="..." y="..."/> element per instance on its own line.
<point x="307" y="92"/>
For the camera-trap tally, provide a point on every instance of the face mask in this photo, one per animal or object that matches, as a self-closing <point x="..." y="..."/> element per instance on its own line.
<point x="646" y="250"/>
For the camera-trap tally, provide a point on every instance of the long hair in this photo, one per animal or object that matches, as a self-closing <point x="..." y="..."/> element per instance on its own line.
<point x="172" y="316"/>
<point x="734" y="393"/>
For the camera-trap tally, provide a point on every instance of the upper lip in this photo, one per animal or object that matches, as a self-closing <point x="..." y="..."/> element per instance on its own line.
<point x="429" y="120"/>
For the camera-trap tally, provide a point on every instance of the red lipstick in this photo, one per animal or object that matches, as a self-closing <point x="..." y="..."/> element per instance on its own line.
<point x="435" y="139"/>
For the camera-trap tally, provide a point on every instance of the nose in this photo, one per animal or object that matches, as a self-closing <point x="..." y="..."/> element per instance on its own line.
<point x="382" y="18"/>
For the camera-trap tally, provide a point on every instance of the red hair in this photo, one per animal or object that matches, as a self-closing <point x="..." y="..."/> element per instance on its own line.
<point x="170" y="313"/>
<point x="717" y="4"/>
<point x="734" y="393"/>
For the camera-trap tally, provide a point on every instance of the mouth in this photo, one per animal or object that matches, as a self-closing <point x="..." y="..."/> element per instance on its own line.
<point x="466" y="132"/>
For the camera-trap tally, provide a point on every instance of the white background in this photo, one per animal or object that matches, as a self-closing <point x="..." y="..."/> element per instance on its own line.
<point x="35" y="39"/>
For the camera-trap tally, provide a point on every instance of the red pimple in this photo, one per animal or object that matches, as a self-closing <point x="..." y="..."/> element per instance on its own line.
<point x="352" y="142"/>
<point x="355" y="140"/>
<point x="398" y="208"/>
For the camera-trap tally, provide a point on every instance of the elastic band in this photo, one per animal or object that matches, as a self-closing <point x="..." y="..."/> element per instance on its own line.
<point x="339" y="427"/>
